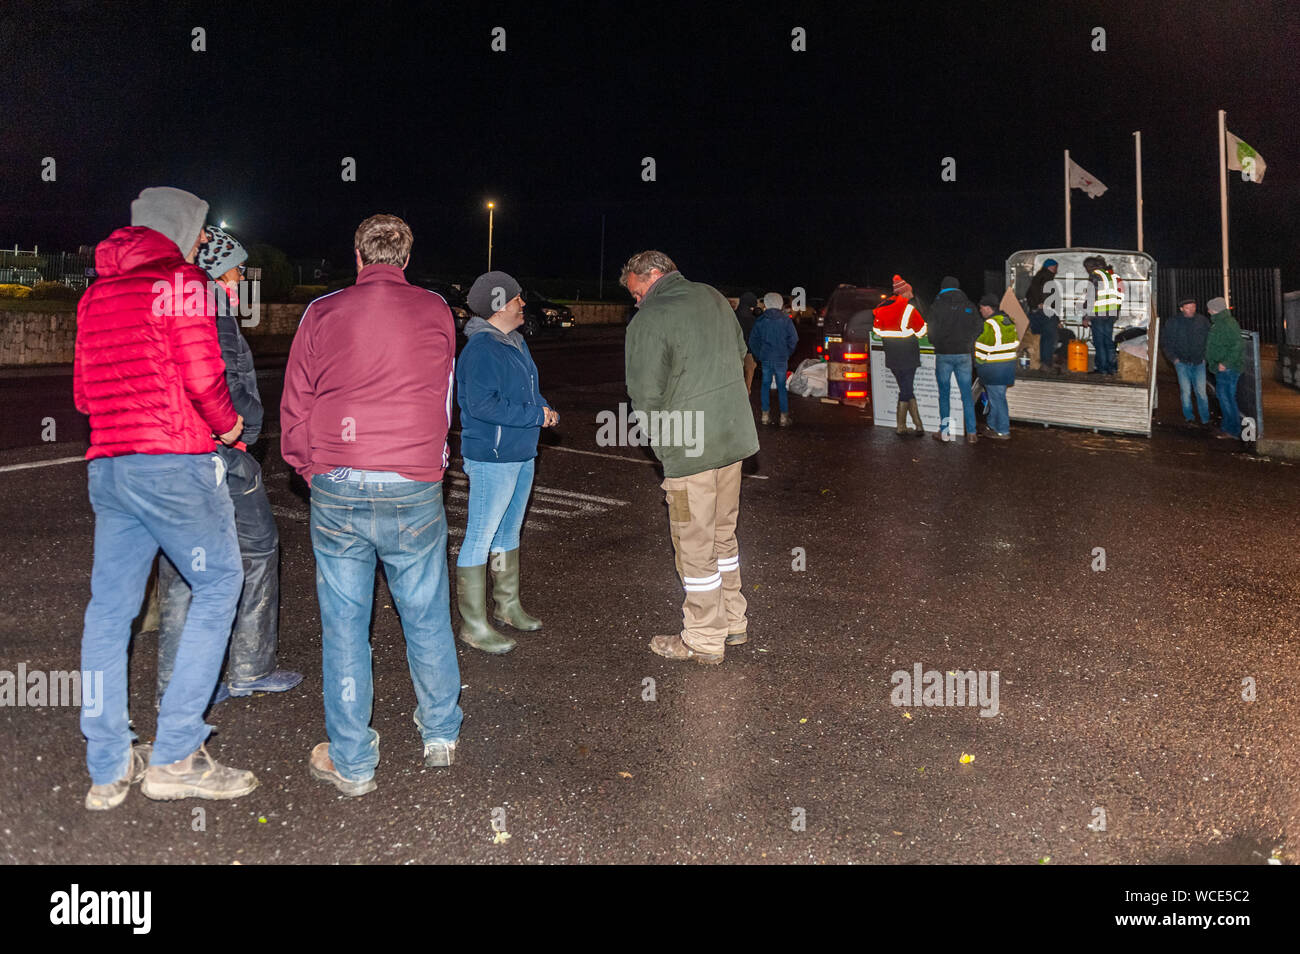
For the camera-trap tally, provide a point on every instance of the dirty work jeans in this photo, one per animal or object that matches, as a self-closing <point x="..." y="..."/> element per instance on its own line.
<point x="1192" y="377"/>
<point x="400" y="522"/>
<point x="143" y="502"/>
<point x="1225" y="387"/>
<point x="774" y="370"/>
<point x="702" y="513"/>
<point x="257" y="620"/>
<point x="1103" y="343"/>
<point x="999" y="419"/>
<point x="945" y="366"/>
<point x="498" y="497"/>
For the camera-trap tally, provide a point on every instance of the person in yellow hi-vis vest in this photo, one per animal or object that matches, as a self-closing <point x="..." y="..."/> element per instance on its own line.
<point x="995" y="363"/>
<point x="1107" y="294"/>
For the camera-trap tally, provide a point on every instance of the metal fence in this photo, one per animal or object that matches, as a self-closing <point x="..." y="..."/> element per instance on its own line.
<point x="1256" y="295"/>
<point x="74" y="269"/>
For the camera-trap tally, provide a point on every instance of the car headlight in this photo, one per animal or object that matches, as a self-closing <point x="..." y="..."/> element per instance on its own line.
<point x="550" y="313"/>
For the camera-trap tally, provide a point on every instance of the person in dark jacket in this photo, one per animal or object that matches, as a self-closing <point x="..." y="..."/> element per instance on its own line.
<point x="900" y="325"/>
<point x="250" y="666"/>
<point x="1184" y="338"/>
<point x="1225" y="357"/>
<point x="954" y="325"/>
<point x="502" y="412"/>
<point x="1041" y="323"/>
<point x="746" y="311"/>
<point x="772" y="341"/>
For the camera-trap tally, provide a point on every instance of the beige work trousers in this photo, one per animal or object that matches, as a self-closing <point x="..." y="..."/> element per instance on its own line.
<point x="702" y="513"/>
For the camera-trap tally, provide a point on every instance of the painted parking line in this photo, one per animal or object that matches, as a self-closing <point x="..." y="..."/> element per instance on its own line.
<point x="42" y="463"/>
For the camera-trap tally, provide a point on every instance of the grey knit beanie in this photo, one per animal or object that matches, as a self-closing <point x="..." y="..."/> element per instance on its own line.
<point x="175" y="213"/>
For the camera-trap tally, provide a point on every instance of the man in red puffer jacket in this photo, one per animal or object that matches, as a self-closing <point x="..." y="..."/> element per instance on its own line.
<point x="149" y="373"/>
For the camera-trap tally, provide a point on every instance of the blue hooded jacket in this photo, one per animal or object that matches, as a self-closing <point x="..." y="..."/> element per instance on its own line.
<point x="501" y="408"/>
<point x="773" y="339"/>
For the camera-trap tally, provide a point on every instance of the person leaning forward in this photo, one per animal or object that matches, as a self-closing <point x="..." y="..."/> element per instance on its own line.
<point x="685" y="379"/>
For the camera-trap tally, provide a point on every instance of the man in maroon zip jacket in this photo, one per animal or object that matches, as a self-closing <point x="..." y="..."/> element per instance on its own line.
<point x="148" y="372"/>
<point x="364" y="419"/>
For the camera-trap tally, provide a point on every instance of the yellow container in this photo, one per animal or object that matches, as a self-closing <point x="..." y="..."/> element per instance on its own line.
<point x="1077" y="356"/>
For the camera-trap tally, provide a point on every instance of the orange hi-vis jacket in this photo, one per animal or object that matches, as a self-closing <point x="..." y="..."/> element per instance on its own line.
<point x="898" y="318"/>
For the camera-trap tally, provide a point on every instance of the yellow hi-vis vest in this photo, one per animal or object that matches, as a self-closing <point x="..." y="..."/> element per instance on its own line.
<point x="997" y="342"/>
<point x="1109" y="297"/>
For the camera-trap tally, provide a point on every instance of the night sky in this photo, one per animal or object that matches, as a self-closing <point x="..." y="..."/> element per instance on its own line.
<point x="774" y="168"/>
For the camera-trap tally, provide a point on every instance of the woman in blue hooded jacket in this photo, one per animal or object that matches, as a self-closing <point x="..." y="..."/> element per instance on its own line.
<point x="502" y="412"/>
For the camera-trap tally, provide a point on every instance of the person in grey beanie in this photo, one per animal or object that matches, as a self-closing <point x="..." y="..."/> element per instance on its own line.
<point x="251" y="665"/>
<point x="502" y="412"/>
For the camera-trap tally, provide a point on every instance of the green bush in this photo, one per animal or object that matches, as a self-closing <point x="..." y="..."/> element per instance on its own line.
<point x="278" y="277"/>
<point x="302" y="294"/>
<point x="14" y="291"/>
<point x="54" y="291"/>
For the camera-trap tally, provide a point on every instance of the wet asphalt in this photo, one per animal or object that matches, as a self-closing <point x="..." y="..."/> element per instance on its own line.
<point x="1120" y="692"/>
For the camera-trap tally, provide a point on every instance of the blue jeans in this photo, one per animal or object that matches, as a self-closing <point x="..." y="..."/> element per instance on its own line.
<point x="1225" y="386"/>
<point x="1192" y="376"/>
<point x="999" y="419"/>
<point x="1103" y="343"/>
<point x="765" y="391"/>
<point x="402" y="523"/>
<point x="905" y="377"/>
<point x="945" y="366"/>
<point x="498" y="497"/>
<point x="142" y="502"/>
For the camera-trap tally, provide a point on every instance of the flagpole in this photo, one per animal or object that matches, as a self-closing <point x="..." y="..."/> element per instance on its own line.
<point x="1067" y="199"/>
<point x="1137" y="138"/>
<point x="1223" y="201"/>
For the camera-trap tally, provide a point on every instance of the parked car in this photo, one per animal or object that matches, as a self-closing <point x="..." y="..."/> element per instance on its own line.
<point x="541" y="315"/>
<point x="454" y="297"/>
<point x="845" y="302"/>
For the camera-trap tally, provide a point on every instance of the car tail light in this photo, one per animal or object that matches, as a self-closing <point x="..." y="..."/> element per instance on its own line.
<point x="855" y="356"/>
<point x="855" y="394"/>
<point x="853" y="375"/>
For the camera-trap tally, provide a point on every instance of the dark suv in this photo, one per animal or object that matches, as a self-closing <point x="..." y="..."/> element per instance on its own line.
<point x="543" y="315"/>
<point x="454" y="297"/>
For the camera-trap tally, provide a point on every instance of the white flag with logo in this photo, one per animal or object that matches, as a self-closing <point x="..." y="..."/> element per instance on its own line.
<point x="1082" y="179"/>
<point x="1244" y="159"/>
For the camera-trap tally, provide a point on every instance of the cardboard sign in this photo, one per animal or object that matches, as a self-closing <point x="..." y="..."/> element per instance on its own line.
<point x="1011" y="306"/>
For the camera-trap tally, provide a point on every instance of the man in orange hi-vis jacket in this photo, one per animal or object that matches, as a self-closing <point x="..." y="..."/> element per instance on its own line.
<point x="900" y="326"/>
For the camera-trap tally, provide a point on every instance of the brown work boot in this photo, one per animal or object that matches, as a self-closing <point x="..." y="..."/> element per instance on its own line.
<point x="322" y="767"/>
<point x="198" y="775"/>
<point x="971" y="438"/>
<point x="735" y="639"/>
<point x="101" y="798"/>
<point x="672" y="647"/>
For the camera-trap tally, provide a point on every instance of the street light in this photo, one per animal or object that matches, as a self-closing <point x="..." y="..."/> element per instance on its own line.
<point x="491" y="207"/>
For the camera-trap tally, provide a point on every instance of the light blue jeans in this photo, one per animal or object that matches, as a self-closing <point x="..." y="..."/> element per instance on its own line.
<point x="945" y="366"/>
<point x="498" y="497"/>
<point x="142" y="502"/>
<point x="1191" y="378"/>
<point x="402" y="523"/>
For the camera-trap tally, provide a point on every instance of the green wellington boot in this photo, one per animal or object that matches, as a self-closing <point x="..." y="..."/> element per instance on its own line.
<point x="505" y="592"/>
<point x="471" y="598"/>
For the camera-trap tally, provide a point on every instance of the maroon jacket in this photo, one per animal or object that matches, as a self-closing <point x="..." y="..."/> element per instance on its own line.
<point x="369" y="380"/>
<point x="148" y="367"/>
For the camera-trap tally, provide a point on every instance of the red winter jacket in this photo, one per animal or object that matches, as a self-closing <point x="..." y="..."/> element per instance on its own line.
<point x="149" y="375"/>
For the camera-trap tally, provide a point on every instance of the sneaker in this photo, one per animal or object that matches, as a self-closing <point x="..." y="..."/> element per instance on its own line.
<point x="673" y="647"/>
<point x="971" y="438"/>
<point x="282" y="680"/>
<point x="101" y="798"/>
<point x="198" y="775"/>
<point x="439" y="753"/>
<point x="785" y="420"/>
<point x="735" y="639"/>
<point x="765" y="418"/>
<point x="322" y="767"/>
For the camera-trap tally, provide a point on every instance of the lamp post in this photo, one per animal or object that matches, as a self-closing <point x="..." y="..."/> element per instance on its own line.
<point x="491" y="207"/>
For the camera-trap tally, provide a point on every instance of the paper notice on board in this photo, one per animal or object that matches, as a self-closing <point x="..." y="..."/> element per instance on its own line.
<point x="1011" y="306"/>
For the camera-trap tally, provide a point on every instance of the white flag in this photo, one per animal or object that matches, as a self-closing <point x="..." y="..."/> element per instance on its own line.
<point x="1246" y="160"/>
<point x="1080" y="179"/>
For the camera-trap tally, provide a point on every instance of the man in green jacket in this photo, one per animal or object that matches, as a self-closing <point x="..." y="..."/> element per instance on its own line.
<point x="685" y="377"/>
<point x="1223" y="356"/>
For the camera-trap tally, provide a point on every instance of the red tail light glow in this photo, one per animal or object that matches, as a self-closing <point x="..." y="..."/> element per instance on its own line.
<point x="855" y="394"/>
<point x="855" y="356"/>
<point x="851" y="375"/>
